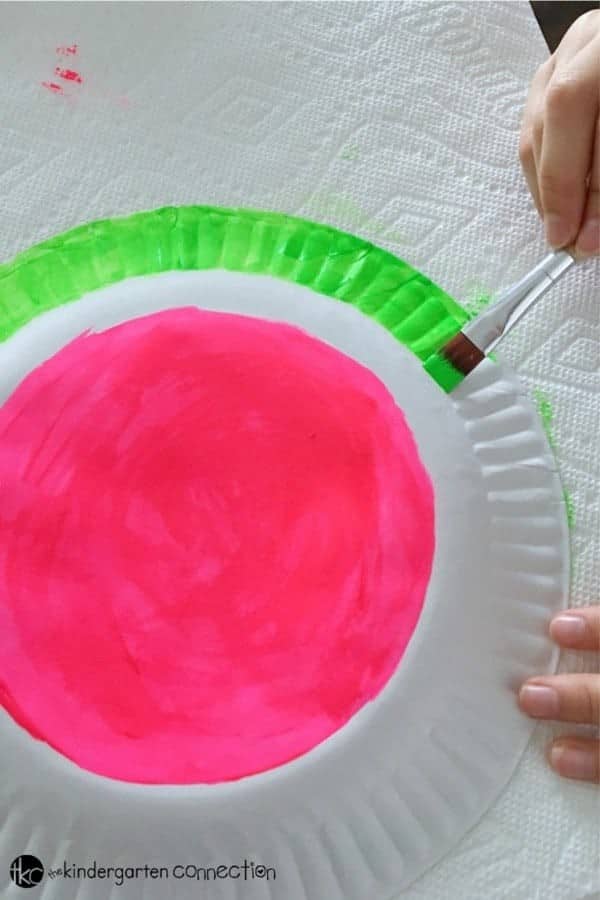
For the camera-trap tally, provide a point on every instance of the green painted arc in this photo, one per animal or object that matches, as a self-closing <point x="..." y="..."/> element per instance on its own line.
<point x="418" y="313"/>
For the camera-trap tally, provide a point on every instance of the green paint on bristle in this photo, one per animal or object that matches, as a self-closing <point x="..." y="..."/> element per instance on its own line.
<point x="440" y="369"/>
<point x="443" y="372"/>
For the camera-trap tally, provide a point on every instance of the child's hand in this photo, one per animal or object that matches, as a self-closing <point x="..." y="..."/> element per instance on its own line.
<point x="560" y="138"/>
<point x="570" y="698"/>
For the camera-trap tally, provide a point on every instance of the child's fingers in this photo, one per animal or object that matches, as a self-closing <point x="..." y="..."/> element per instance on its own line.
<point x="582" y="31"/>
<point x="526" y="155"/>
<point x="570" y="115"/>
<point x="532" y="130"/>
<point x="578" y="629"/>
<point x="588" y="239"/>
<point x="564" y="698"/>
<point x="576" y="758"/>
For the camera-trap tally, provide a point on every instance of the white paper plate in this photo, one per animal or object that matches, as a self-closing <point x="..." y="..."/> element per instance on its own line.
<point x="367" y="811"/>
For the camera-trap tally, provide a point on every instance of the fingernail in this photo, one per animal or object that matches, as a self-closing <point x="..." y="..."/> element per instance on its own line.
<point x="539" y="700"/>
<point x="589" y="237"/>
<point x="558" y="231"/>
<point x="574" y="762"/>
<point x="567" y="628"/>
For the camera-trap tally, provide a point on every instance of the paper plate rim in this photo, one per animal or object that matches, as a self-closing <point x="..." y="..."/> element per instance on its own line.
<point x="489" y="393"/>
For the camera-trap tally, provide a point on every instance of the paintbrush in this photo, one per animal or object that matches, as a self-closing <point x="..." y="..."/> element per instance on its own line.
<point x="462" y="353"/>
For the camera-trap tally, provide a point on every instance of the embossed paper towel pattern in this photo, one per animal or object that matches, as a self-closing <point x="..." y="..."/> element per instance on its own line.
<point x="397" y="121"/>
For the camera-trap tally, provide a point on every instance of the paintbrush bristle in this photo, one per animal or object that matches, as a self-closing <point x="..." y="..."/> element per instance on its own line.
<point x="462" y="353"/>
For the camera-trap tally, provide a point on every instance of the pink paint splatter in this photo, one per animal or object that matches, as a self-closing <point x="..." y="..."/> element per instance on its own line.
<point x="68" y="75"/>
<point x="215" y="540"/>
<point x="52" y="86"/>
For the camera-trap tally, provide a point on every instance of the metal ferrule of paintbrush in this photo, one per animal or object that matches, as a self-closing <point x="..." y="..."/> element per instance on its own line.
<point x="469" y="347"/>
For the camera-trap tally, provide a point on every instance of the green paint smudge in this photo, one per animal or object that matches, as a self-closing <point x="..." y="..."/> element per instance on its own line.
<point x="352" y="151"/>
<point x="477" y="297"/>
<point x="477" y="303"/>
<point x="569" y="509"/>
<point x="546" y="414"/>
<point x="337" y="207"/>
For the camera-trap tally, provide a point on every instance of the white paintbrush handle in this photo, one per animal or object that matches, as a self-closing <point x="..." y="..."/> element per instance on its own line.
<point x="486" y="329"/>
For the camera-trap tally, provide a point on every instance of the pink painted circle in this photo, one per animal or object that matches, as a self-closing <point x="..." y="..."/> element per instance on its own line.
<point x="216" y="536"/>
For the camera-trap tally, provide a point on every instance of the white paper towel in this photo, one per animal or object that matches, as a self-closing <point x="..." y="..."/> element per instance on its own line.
<point x="397" y="121"/>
